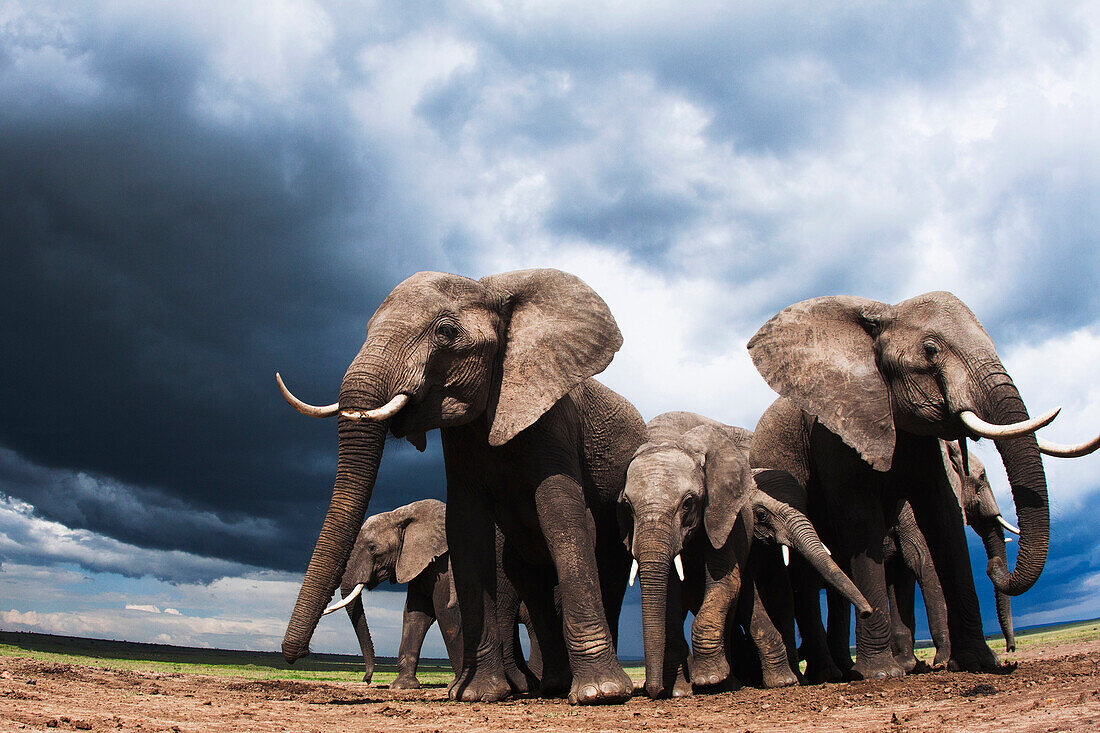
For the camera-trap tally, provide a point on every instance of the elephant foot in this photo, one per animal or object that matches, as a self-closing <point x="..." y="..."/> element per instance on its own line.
<point x="405" y="682"/>
<point x="521" y="682"/>
<point x="555" y="683"/>
<point x="682" y="686"/>
<point x="779" y="675"/>
<point x="710" y="670"/>
<point x="368" y="676"/>
<point x="907" y="661"/>
<point x="601" y="686"/>
<point x="943" y="656"/>
<point x="476" y="684"/>
<point x="879" y="667"/>
<point x="977" y="657"/>
<point x="818" y="673"/>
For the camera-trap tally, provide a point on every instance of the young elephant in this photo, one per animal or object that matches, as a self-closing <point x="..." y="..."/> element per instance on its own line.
<point x="694" y="472"/>
<point x="406" y="545"/>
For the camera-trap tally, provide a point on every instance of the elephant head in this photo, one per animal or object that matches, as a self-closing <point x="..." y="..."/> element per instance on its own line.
<point x="971" y="484"/>
<point x="867" y="369"/>
<point x="692" y="481"/>
<point x="441" y="351"/>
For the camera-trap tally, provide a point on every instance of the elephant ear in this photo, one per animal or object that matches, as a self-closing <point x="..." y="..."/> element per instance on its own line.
<point x="558" y="334"/>
<point x="820" y="354"/>
<point x="728" y="480"/>
<point x="424" y="537"/>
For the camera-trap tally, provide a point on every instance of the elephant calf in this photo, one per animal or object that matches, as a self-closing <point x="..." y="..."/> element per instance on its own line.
<point x="406" y="545"/>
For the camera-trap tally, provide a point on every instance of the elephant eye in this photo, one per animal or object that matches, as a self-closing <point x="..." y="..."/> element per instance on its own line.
<point x="446" y="332"/>
<point x="931" y="349"/>
<point x="689" y="504"/>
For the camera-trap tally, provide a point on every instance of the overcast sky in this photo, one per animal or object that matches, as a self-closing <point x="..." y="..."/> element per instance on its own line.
<point x="194" y="195"/>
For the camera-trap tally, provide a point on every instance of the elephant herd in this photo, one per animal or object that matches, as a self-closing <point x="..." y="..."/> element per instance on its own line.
<point x="559" y="494"/>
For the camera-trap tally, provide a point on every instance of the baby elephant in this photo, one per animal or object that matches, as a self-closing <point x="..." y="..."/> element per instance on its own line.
<point x="692" y="502"/>
<point x="406" y="545"/>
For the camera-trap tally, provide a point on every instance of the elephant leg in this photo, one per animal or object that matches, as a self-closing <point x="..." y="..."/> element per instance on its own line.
<point x="838" y="632"/>
<point x="508" y="603"/>
<point x="362" y="633"/>
<point x="775" y="669"/>
<point x="535" y="586"/>
<point x="471" y="544"/>
<point x="806" y="589"/>
<point x="614" y="565"/>
<point x="710" y="662"/>
<point x="940" y="520"/>
<point x="449" y="617"/>
<point x="570" y="534"/>
<point x="418" y="618"/>
<point x="773" y="587"/>
<point x="901" y="589"/>
<point x="918" y="561"/>
<point x="534" y="659"/>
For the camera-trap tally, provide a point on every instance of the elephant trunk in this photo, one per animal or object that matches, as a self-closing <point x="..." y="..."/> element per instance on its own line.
<point x="361" y="445"/>
<point x="1024" y="467"/>
<point x="800" y="531"/>
<point x="994" y="540"/>
<point x="654" y="558"/>
<point x="362" y="630"/>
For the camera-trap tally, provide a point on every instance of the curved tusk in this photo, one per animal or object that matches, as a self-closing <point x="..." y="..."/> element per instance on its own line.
<point x="1007" y="540"/>
<point x="786" y="551"/>
<point x="304" y="407"/>
<point x="633" y="572"/>
<point x="1005" y="523"/>
<point x="985" y="429"/>
<point x="378" y="414"/>
<point x="827" y="550"/>
<point x="347" y="599"/>
<point x="1068" y="451"/>
<point x="679" y="566"/>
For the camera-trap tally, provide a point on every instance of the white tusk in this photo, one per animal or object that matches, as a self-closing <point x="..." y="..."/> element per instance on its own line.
<point x="1008" y="539"/>
<point x="633" y="572"/>
<point x="786" y="554"/>
<point x="676" y="561"/>
<point x="1004" y="523"/>
<point x="304" y="407"/>
<point x="347" y="599"/>
<point x="985" y="429"/>
<point x="827" y="550"/>
<point x="1068" y="451"/>
<point x="378" y="414"/>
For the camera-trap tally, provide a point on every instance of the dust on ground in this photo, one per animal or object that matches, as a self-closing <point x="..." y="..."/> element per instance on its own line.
<point x="1054" y="688"/>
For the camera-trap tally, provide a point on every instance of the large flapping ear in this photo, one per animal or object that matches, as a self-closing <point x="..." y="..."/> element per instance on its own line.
<point x="820" y="354"/>
<point x="953" y="465"/>
<point x="728" y="479"/>
<point x="424" y="537"/>
<point x="558" y="333"/>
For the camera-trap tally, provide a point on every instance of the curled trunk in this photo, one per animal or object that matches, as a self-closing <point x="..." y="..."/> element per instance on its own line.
<point x="361" y="446"/>
<point x="1024" y="467"/>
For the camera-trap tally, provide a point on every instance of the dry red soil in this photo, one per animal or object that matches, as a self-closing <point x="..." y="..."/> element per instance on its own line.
<point x="1057" y="688"/>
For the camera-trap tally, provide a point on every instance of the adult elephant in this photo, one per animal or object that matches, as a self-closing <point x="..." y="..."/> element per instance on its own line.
<point x="869" y="388"/>
<point x="502" y="367"/>
<point x="406" y="545"/>
<point x="692" y="502"/>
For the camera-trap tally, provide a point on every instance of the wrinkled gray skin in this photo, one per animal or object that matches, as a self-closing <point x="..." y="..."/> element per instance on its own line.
<point x="908" y="564"/>
<point x="502" y="367"/>
<point x="868" y="387"/>
<point x="406" y="545"/>
<point x="690" y="492"/>
<point x="981" y="512"/>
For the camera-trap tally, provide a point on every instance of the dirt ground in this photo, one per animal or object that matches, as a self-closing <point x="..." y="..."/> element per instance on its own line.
<point x="1056" y="688"/>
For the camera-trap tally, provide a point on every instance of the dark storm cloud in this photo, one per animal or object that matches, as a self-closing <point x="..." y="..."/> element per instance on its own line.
<point x="159" y="265"/>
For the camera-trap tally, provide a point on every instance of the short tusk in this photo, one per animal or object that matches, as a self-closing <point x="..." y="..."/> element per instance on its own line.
<point x="304" y="407"/>
<point x="1005" y="523"/>
<point x="633" y="572"/>
<point x="1008" y="539"/>
<point x="786" y="551"/>
<point x="679" y="566"/>
<point x="347" y="599"/>
<point x="827" y="550"/>
<point x="1068" y="451"/>
<point x="984" y="429"/>
<point x="378" y="414"/>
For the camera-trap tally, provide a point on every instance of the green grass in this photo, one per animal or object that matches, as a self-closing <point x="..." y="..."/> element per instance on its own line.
<point x="1076" y="631"/>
